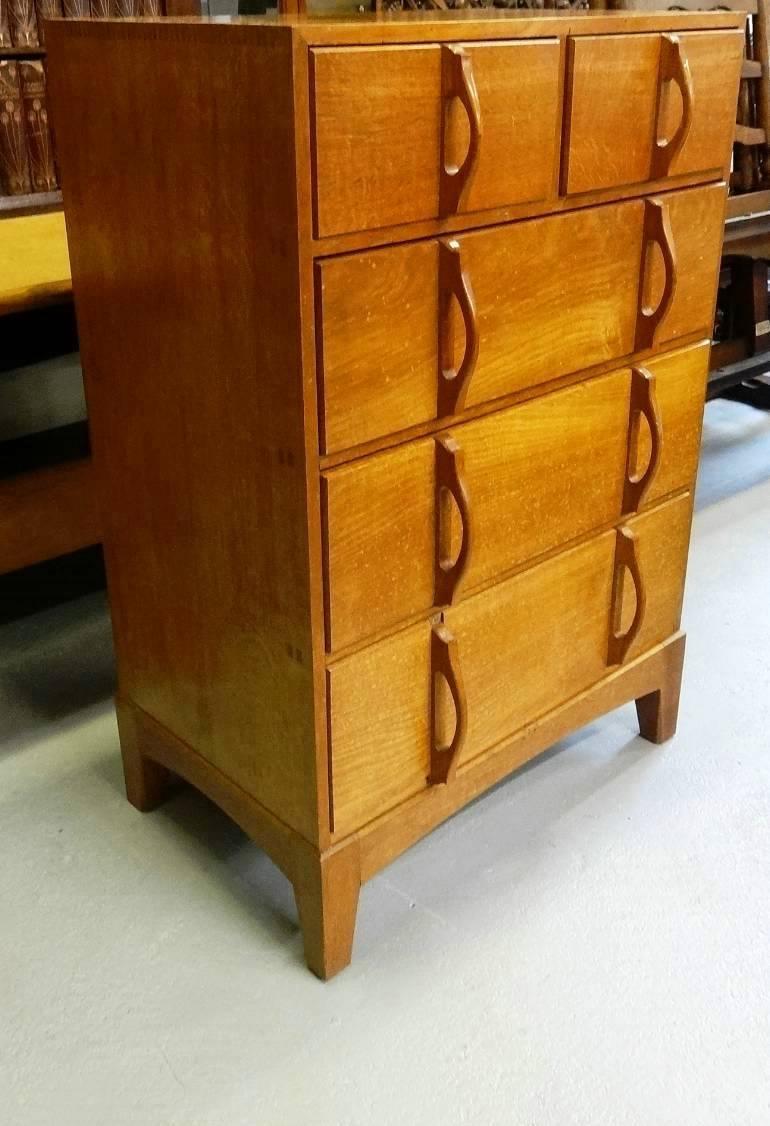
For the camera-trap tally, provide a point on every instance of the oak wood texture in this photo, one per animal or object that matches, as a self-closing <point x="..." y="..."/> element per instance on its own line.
<point x="354" y="583"/>
<point x="519" y="465"/>
<point x="381" y="361"/>
<point x="662" y="539"/>
<point x="179" y="399"/>
<point x="645" y="106"/>
<point x="395" y="150"/>
<point x="696" y="220"/>
<point x="680" y="385"/>
<point x="554" y="616"/>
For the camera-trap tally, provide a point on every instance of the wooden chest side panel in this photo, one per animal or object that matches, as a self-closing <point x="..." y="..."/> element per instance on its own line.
<point x="187" y="283"/>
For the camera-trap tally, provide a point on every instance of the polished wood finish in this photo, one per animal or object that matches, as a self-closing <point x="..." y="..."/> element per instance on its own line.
<point x="696" y="219"/>
<point x="407" y="497"/>
<point x="680" y="381"/>
<point x="379" y="359"/>
<point x="187" y="519"/>
<point x="518" y="464"/>
<point x="662" y="94"/>
<point x="419" y="156"/>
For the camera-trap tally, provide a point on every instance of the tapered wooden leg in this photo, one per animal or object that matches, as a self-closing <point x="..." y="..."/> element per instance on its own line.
<point x="658" y="712"/>
<point x="147" y="783"/>
<point x="326" y="889"/>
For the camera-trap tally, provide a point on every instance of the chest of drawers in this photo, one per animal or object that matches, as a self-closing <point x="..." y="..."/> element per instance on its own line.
<point x="396" y="334"/>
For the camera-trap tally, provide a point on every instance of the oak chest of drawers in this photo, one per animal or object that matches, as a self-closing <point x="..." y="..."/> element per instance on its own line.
<point x="396" y="334"/>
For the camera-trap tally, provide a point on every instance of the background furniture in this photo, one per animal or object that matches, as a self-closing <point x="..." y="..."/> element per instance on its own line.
<point x="47" y="496"/>
<point x="738" y="363"/>
<point x="382" y="523"/>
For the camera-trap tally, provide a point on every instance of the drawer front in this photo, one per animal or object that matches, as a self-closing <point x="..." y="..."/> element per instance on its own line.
<point x="404" y="134"/>
<point x="390" y="319"/>
<point x="695" y="222"/>
<point x="512" y="485"/>
<point x="662" y="540"/>
<point x="388" y="523"/>
<point x="521" y="648"/>
<point x="508" y="308"/>
<point x="680" y="391"/>
<point x="670" y="97"/>
<point x="542" y="634"/>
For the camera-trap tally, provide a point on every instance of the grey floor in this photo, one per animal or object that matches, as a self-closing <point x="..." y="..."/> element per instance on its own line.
<point x="588" y="944"/>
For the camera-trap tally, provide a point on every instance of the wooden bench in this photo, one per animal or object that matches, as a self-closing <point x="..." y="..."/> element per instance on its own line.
<point x="49" y="509"/>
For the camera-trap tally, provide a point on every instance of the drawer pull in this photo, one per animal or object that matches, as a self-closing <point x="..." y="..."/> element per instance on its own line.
<point x="643" y="405"/>
<point x="458" y="82"/>
<point x="657" y="230"/>
<point x="454" y="285"/>
<point x="445" y="663"/>
<point x="450" y="487"/>
<point x="625" y="560"/>
<point x="674" y="67"/>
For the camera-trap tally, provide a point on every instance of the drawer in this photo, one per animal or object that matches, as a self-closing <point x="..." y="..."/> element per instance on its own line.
<point x="511" y="485"/>
<point x="664" y="95"/>
<point x="511" y="653"/>
<point x="489" y="495"/>
<point x="661" y="542"/>
<point x="413" y="333"/>
<point x="403" y="134"/>
<point x="680" y="391"/>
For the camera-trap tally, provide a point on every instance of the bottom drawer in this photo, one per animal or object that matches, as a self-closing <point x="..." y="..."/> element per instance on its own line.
<point x="520" y="648"/>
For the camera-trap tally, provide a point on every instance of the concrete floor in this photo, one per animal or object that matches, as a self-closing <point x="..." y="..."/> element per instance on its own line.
<point x="588" y="944"/>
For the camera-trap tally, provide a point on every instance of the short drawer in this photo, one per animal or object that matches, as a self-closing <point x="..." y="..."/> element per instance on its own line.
<point x="408" y="711"/>
<point x="420" y="526"/>
<point x="404" y="134"/>
<point x="413" y="333"/>
<point x="666" y="96"/>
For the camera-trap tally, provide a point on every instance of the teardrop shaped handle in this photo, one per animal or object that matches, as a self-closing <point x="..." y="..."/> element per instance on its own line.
<point x="457" y="81"/>
<point x="445" y="663"/>
<point x="625" y="560"/>
<point x="657" y="231"/>
<point x="675" y="68"/>
<point x="450" y="478"/>
<point x="643" y="405"/>
<point x="454" y="285"/>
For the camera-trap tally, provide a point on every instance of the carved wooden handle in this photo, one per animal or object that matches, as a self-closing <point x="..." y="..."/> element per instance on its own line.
<point x="454" y="285"/>
<point x="625" y="560"/>
<point x="445" y="663"/>
<point x="674" y="67"/>
<point x="450" y="483"/>
<point x="657" y="229"/>
<point x="643" y="405"/>
<point x="458" y="82"/>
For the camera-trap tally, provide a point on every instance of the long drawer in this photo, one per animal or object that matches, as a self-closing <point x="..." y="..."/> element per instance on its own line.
<point x="409" y="133"/>
<point x="420" y="525"/>
<point x="405" y="713"/>
<point x="420" y="331"/>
